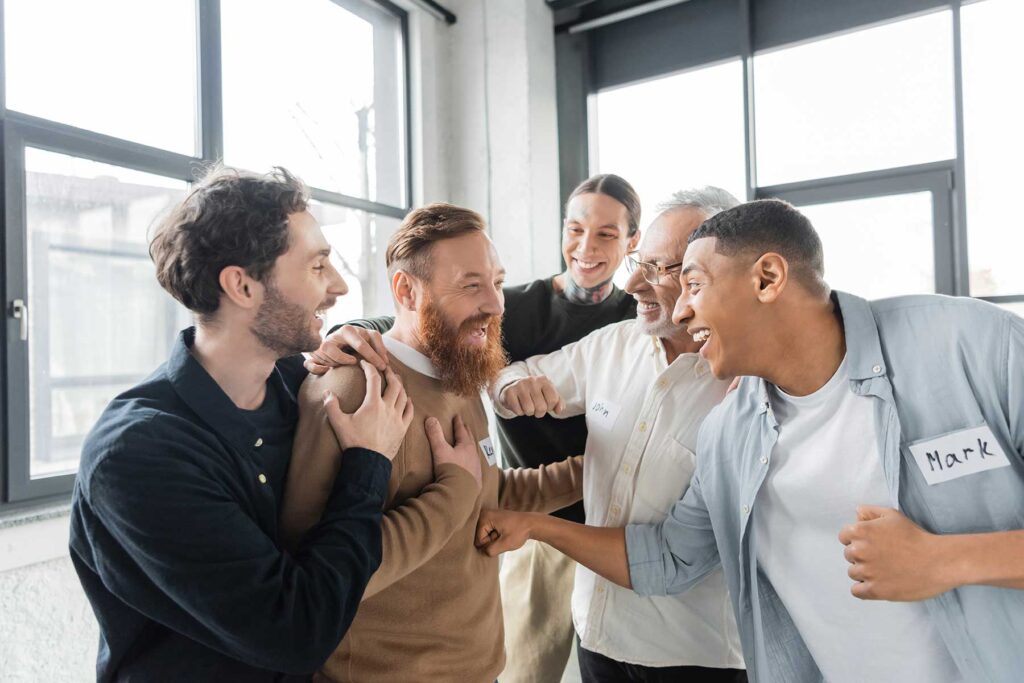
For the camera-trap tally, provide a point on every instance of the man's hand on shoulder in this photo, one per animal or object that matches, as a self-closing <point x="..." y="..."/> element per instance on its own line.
<point x="534" y="396"/>
<point x="463" y="454"/>
<point x="380" y="422"/>
<point x="347" y="346"/>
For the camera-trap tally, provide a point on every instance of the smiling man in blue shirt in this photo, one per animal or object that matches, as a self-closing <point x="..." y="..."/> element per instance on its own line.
<point x="174" y="530"/>
<point x="863" y="488"/>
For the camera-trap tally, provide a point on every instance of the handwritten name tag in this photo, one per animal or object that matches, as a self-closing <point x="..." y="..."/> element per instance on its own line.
<point x="959" y="454"/>
<point x="601" y="413"/>
<point x="488" y="450"/>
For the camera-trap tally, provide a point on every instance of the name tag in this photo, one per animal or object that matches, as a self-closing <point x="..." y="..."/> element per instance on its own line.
<point x="959" y="454"/>
<point x="488" y="450"/>
<point x="601" y="413"/>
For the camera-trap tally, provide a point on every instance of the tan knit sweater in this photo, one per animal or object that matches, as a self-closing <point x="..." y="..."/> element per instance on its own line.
<point x="432" y="612"/>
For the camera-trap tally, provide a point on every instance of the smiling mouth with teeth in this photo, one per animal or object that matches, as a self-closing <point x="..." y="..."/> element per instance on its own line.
<point x="587" y="264"/>
<point x="701" y="335"/>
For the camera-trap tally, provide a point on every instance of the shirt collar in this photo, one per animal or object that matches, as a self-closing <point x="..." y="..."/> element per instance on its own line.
<point x="657" y="350"/>
<point x="410" y="357"/>
<point x="201" y="393"/>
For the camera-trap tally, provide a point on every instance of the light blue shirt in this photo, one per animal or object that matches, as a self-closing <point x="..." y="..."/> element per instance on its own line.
<point x="935" y="365"/>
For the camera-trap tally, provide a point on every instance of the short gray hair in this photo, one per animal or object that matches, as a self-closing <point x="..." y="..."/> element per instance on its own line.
<point x="708" y="200"/>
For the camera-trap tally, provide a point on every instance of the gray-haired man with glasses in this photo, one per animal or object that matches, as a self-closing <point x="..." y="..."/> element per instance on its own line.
<point x="645" y="391"/>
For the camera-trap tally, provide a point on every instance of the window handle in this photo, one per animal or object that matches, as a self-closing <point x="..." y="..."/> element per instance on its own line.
<point x="19" y="311"/>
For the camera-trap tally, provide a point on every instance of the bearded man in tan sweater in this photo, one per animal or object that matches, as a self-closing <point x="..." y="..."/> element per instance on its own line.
<point x="432" y="612"/>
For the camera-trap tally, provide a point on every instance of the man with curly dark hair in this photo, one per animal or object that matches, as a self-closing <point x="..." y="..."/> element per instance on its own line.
<point x="174" y="530"/>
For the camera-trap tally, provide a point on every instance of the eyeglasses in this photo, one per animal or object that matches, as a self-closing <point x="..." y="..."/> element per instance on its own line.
<point x="652" y="272"/>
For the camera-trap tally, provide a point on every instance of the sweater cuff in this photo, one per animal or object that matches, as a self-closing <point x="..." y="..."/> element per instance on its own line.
<point x="364" y="469"/>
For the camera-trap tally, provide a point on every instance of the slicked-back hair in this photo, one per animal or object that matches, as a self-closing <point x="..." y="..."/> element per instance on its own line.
<point x="230" y="218"/>
<point x="410" y="246"/>
<point x="618" y="189"/>
<point x="769" y="225"/>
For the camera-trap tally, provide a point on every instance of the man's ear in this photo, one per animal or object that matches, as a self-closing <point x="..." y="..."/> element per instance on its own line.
<point x="633" y="241"/>
<point x="240" y="288"/>
<point x="405" y="290"/>
<point x="771" y="273"/>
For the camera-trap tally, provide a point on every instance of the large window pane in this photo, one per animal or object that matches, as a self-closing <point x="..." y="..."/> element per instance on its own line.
<point x="317" y="88"/>
<point x="99" y="321"/>
<point x="353" y="236"/>
<point x="877" y="98"/>
<point x="119" y="67"/>
<point x="674" y="133"/>
<point x="994" y="139"/>
<point x="877" y="247"/>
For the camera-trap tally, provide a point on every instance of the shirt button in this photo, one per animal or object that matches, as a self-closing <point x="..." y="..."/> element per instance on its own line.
<point x="877" y="369"/>
<point x="746" y="509"/>
<point x="643" y="426"/>
<point x="262" y="478"/>
<point x="627" y="469"/>
<point x="259" y="442"/>
<point x="615" y="509"/>
<point x="662" y="384"/>
<point x="764" y="460"/>
<point x="600" y="589"/>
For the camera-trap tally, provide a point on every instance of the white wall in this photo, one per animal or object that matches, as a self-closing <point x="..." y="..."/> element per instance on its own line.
<point x="485" y="133"/>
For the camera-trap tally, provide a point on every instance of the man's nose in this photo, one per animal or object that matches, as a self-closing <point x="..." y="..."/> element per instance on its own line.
<point x="636" y="282"/>
<point x="588" y="243"/>
<point x="682" y="311"/>
<point x="337" y="286"/>
<point x="494" y="303"/>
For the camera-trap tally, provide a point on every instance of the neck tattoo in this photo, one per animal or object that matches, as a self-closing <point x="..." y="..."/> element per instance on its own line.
<point x="586" y="295"/>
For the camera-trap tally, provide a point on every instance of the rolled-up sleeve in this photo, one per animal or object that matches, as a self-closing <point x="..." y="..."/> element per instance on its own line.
<point x="672" y="556"/>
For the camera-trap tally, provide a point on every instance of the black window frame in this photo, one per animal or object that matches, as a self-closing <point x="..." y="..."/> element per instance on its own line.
<point x="18" y="130"/>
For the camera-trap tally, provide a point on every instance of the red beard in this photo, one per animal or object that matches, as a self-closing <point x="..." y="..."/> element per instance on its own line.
<point x="464" y="369"/>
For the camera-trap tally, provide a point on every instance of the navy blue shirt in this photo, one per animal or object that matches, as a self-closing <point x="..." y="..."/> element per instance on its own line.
<point x="174" y="533"/>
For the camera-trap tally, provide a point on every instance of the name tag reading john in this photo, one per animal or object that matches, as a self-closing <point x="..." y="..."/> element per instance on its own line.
<point x="601" y="413"/>
<point x="959" y="454"/>
<point x="488" y="450"/>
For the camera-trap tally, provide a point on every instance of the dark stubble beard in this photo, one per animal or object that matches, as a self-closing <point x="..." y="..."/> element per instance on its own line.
<point x="282" y="326"/>
<point x="464" y="369"/>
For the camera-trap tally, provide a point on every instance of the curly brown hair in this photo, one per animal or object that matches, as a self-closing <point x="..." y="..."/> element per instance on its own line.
<point x="230" y="218"/>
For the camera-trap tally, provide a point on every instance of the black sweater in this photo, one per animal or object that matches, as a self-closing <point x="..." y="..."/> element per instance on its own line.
<point x="174" y="534"/>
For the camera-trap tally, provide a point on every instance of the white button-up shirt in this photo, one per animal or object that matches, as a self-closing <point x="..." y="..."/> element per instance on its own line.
<point x="642" y="417"/>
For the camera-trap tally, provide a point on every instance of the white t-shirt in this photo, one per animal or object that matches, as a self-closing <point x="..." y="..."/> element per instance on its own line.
<point x="826" y="463"/>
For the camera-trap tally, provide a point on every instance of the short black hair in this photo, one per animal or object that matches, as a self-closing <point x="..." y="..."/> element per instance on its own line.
<point x="769" y="225"/>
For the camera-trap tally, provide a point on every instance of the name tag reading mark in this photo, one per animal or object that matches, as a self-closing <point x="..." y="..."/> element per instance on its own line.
<point x="959" y="454"/>
<point x="488" y="450"/>
<point x="601" y="413"/>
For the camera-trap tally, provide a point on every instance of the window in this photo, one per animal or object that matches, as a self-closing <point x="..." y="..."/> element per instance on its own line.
<point x="99" y="321"/>
<point x="877" y="247"/>
<point x="673" y="133"/>
<point x="103" y="131"/>
<point x="854" y="112"/>
<point x="323" y="79"/>
<point x="873" y="99"/>
<point x="137" y="84"/>
<point x="994" y="145"/>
